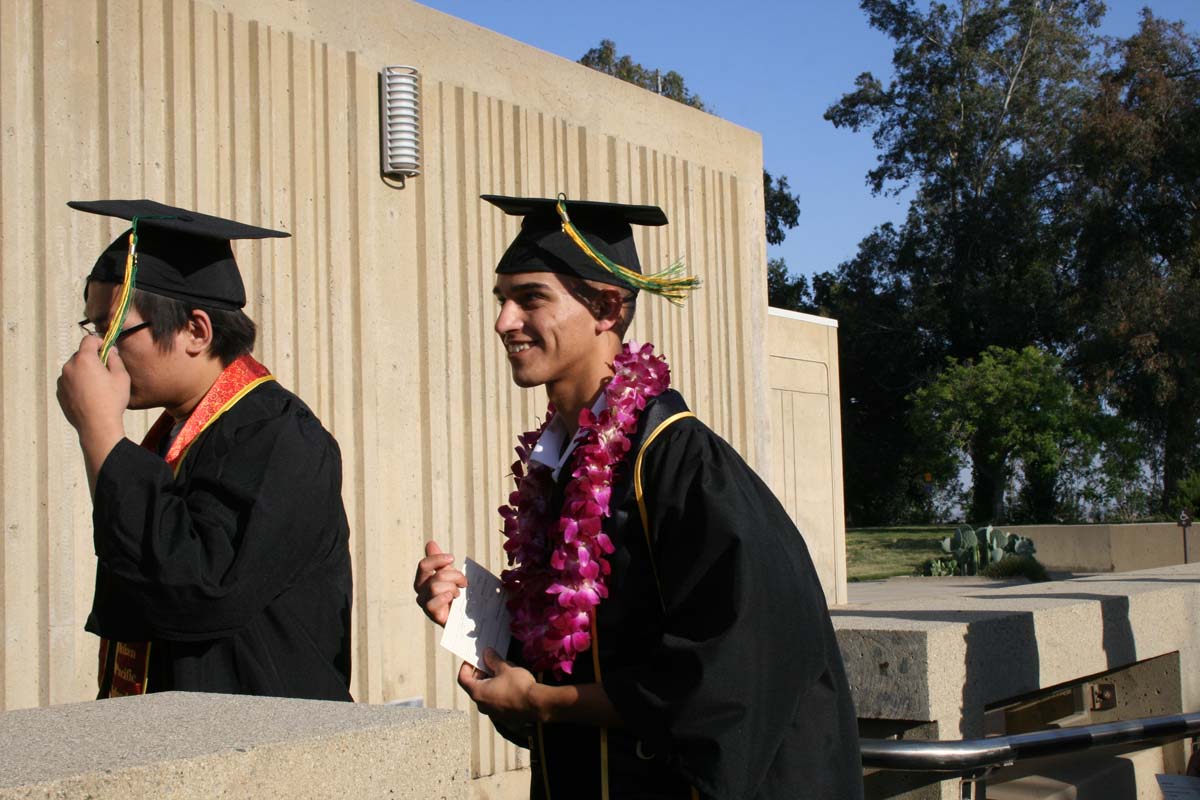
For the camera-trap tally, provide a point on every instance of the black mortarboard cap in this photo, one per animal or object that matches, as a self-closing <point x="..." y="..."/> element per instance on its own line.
<point x="543" y="246"/>
<point x="181" y="254"/>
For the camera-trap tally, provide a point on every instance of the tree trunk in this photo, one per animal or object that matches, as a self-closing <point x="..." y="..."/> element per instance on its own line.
<point x="1040" y="494"/>
<point x="1179" y="447"/>
<point x="987" y="492"/>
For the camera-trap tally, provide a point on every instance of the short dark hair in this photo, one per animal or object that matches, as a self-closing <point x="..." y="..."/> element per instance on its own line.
<point x="597" y="297"/>
<point x="233" y="332"/>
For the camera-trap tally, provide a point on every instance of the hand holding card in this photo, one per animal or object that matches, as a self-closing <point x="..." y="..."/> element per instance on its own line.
<point x="478" y="619"/>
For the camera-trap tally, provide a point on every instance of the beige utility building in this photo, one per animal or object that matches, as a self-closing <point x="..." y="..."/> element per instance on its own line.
<point x="378" y="310"/>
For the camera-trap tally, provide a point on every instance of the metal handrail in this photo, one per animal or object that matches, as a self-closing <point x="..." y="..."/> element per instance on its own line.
<point x="970" y="755"/>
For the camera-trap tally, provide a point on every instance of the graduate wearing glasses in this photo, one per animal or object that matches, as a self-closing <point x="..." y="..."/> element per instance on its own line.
<point x="221" y="540"/>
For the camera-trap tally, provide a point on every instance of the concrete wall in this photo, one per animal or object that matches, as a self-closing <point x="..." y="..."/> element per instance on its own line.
<point x="806" y="437"/>
<point x="378" y="310"/>
<point x="1110" y="548"/>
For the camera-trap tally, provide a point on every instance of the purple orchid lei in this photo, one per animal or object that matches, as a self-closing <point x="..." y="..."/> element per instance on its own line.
<point x="558" y="567"/>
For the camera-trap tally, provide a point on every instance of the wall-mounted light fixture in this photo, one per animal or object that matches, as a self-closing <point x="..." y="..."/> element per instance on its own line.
<point x="400" y="121"/>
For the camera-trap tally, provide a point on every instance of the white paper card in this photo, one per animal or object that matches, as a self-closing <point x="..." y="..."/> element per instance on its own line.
<point x="1179" y="787"/>
<point x="478" y="618"/>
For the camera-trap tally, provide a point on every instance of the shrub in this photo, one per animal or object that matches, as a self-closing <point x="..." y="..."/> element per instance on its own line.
<point x="1187" y="495"/>
<point x="939" y="567"/>
<point x="1014" y="566"/>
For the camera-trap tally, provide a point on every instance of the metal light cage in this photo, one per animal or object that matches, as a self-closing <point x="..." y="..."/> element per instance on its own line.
<point x="400" y="121"/>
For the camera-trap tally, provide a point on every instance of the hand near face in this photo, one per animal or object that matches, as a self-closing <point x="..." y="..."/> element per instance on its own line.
<point x="437" y="583"/>
<point x="92" y="394"/>
<point x="93" y="397"/>
<point x="507" y="696"/>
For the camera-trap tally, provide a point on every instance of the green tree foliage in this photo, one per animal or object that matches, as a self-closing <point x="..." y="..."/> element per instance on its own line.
<point x="1008" y="410"/>
<point x="785" y="290"/>
<point x="782" y="207"/>
<point x="1187" y="495"/>
<point x="883" y="355"/>
<point x="669" y="84"/>
<point x="1118" y="486"/>
<point x="1137" y="257"/>
<point x="978" y="119"/>
<point x="1056" y="210"/>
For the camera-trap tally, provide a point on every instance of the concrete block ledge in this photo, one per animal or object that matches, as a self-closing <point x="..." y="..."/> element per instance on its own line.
<point x="943" y="657"/>
<point x="931" y="656"/>
<point x="190" y="745"/>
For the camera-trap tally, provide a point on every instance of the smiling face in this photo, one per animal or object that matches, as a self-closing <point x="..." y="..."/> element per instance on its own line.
<point x="552" y="338"/>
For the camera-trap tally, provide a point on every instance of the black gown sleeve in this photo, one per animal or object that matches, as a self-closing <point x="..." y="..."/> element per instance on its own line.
<point x="258" y="510"/>
<point x="745" y="629"/>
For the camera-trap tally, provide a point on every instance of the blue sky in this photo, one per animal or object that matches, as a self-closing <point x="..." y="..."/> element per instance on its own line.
<point x="773" y="66"/>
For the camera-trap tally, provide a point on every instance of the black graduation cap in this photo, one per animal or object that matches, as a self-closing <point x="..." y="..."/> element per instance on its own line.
<point x="577" y="237"/>
<point x="181" y="254"/>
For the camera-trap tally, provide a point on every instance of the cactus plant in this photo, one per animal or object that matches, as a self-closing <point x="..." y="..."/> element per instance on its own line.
<point x="963" y="545"/>
<point x="995" y="544"/>
<point x="970" y="550"/>
<point x="1021" y="545"/>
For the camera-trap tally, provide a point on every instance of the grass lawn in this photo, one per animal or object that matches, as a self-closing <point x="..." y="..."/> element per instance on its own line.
<point x="876" y="553"/>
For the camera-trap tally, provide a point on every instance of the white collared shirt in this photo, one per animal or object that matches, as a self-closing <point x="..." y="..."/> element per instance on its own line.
<point x="549" y="450"/>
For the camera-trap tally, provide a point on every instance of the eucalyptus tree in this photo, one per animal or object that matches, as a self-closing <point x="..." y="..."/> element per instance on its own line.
<point x="1137" y="251"/>
<point x="978" y="119"/>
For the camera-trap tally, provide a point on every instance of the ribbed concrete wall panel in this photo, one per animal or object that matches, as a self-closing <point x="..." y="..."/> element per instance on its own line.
<point x="806" y="438"/>
<point x="378" y="311"/>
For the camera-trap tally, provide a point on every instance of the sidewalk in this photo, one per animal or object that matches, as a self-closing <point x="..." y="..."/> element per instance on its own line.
<point x="864" y="593"/>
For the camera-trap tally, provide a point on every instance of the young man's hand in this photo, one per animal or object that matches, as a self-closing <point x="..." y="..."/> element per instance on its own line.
<point x="512" y="696"/>
<point x="507" y="696"/>
<point x="437" y="583"/>
<point x="93" y="397"/>
<point x="92" y="394"/>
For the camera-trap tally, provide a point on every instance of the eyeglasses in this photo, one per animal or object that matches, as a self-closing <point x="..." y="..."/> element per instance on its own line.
<point x="91" y="330"/>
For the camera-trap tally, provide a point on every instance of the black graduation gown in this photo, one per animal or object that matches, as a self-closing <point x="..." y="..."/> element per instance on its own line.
<point x="237" y="570"/>
<point x="715" y="643"/>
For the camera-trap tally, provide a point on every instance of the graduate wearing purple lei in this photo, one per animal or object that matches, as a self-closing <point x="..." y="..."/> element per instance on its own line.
<point x="670" y="635"/>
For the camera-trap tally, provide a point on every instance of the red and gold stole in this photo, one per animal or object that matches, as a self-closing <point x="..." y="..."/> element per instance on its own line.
<point x="130" y="661"/>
